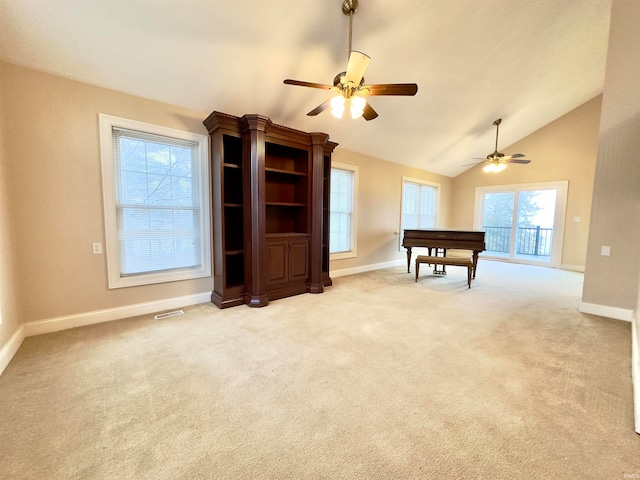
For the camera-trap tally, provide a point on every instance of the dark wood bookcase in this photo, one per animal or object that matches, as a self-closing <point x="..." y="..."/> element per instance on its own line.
<point x="270" y="209"/>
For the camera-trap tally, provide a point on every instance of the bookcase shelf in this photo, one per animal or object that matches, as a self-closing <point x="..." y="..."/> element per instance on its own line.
<point x="279" y="171"/>
<point x="286" y="204"/>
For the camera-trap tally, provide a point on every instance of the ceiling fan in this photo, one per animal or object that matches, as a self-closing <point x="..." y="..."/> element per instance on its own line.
<point x="497" y="161"/>
<point x="350" y="86"/>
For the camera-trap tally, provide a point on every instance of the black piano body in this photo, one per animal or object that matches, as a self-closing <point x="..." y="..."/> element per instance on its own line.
<point x="442" y="240"/>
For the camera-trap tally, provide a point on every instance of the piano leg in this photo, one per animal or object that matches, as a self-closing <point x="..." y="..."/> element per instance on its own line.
<point x="408" y="259"/>
<point x="475" y="262"/>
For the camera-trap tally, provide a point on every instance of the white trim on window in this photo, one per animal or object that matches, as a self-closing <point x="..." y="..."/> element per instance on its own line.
<point x="561" y="187"/>
<point x="353" y="214"/>
<point x="418" y="181"/>
<point x="201" y="196"/>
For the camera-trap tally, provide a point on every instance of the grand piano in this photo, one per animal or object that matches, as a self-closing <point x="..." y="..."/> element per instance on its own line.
<point x="442" y="240"/>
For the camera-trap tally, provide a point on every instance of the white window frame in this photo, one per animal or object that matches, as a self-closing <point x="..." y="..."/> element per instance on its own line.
<point x="116" y="280"/>
<point x="418" y="181"/>
<point x="353" y="251"/>
<point x="561" y="187"/>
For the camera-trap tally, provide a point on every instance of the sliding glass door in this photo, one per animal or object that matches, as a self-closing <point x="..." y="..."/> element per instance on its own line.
<point x="523" y="223"/>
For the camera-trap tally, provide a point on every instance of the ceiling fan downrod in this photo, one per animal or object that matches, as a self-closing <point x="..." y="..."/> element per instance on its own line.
<point x="349" y="7"/>
<point x="497" y="124"/>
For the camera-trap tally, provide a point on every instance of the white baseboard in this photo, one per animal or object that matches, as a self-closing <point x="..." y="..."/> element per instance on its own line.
<point x="366" y="268"/>
<point x="635" y="369"/>
<point x="39" y="327"/>
<point x="605" y="311"/>
<point x="573" y="268"/>
<point x="10" y="348"/>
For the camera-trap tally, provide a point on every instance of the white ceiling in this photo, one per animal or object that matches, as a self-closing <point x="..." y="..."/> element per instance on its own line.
<point x="525" y="61"/>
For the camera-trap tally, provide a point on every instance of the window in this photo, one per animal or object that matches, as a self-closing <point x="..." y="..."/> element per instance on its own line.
<point x="156" y="203"/>
<point x="523" y="223"/>
<point x="419" y="204"/>
<point x="342" y="232"/>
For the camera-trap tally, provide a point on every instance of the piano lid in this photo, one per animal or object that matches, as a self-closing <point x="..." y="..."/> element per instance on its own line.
<point x="432" y="237"/>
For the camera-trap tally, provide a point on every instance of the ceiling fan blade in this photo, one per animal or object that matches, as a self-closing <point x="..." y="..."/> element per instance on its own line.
<point x="369" y="113"/>
<point x="307" y="84"/>
<point x="516" y="155"/>
<point x="358" y="62"/>
<point x="522" y="161"/>
<point x="320" y="108"/>
<point x="471" y="164"/>
<point x="390" y="89"/>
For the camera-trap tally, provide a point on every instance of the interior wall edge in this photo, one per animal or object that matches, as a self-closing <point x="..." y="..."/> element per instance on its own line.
<point x="606" y="311"/>
<point x="10" y="348"/>
<point x="635" y="368"/>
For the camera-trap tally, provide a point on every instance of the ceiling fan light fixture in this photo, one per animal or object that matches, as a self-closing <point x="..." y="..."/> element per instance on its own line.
<point x="494" y="167"/>
<point x="357" y="106"/>
<point x="337" y="106"/>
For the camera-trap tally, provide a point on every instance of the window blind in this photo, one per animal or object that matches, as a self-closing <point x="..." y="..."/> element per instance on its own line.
<point x="157" y="202"/>
<point x="341" y="210"/>
<point x="419" y="206"/>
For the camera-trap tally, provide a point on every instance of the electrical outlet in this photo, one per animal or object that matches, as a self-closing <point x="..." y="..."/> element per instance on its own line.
<point x="97" y="248"/>
<point x="605" y="250"/>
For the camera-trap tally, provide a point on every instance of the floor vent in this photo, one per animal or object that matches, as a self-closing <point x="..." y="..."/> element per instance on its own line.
<point x="168" y="314"/>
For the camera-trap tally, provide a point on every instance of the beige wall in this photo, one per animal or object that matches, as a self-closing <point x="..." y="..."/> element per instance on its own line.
<point x="615" y="219"/>
<point x="379" y="196"/>
<point x="8" y="309"/>
<point x="53" y="169"/>
<point x="563" y="150"/>
<point x="52" y="162"/>
<point x="54" y="172"/>
<point x="50" y="179"/>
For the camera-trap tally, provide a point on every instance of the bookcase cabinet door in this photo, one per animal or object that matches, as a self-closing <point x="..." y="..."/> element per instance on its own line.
<point x="298" y="259"/>
<point x="288" y="260"/>
<point x="277" y="255"/>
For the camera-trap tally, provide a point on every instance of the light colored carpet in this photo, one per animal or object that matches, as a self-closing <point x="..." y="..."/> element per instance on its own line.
<point x="378" y="378"/>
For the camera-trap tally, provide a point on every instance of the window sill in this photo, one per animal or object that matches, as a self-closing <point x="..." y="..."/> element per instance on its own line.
<point x="342" y="255"/>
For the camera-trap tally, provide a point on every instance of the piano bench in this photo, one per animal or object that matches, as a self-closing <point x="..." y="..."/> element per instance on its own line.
<point x="451" y="261"/>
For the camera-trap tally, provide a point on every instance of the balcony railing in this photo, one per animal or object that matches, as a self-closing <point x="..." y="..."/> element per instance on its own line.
<point x="529" y="240"/>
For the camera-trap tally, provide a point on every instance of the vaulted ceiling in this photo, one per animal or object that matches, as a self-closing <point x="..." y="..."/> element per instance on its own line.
<point x="525" y="61"/>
